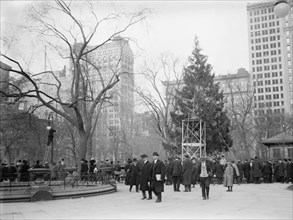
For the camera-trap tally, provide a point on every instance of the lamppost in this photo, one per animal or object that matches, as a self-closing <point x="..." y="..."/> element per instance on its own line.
<point x="51" y="131"/>
<point x="281" y="8"/>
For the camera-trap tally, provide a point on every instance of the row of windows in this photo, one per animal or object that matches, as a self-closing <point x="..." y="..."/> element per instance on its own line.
<point x="277" y="153"/>
<point x="268" y="82"/>
<point x="266" y="68"/>
<point x="266" y="39"/>
<point x="266" y="46"/>
<point x="268" y="90"/>
<point x="262" y="98"/>
<point x="269" y="111"/>
<point x="262" y="11"/>
<point x="265" y="54"/>
<point x="268" y="104"/>
<point x="264" y="25"/>
<point x="266" y="60"/>
<point x="265" y="32"/>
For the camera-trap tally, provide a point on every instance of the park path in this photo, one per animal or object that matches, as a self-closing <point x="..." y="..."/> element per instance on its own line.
<point x="247" y="201"/>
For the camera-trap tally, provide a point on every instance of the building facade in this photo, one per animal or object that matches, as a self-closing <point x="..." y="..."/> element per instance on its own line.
<point x="115" y="126"/>
<point x="270" y="57"/>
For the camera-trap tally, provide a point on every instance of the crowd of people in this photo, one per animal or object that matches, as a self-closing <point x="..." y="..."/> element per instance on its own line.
<point x="204" y="171"/>
<point x="19" y="171"/>
<point x="151" y="177"/>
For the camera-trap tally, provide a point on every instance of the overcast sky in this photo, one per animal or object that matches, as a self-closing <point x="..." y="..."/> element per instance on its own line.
<point x="220" y="25"/>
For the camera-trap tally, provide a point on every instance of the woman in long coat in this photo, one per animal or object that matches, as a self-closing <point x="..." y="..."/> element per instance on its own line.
<point x="187" y="173"/>
<point x="228" y="177"/>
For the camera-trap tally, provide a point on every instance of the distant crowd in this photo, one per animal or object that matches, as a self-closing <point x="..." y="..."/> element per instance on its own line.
<point x="247" y="171"/>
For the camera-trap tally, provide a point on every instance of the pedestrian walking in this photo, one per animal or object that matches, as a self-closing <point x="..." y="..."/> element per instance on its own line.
<point x="134" y="175"/>
<point x="127" y="176"/>
<point x="246" y="171"/>
<point x="145" y="178"/>
<point x="187" y="173"/>
<point x="176" y="172"/>
<point x="205" y="172"/>
<point x="228" y="177"/>
<point x="158" y="172"/>
<point x="256" y="170"/>
<point x="168" y="172"/>
<point x="195" y="165"/>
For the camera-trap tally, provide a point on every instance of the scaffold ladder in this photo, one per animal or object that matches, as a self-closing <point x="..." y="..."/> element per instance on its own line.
<point x="193" y="138"/>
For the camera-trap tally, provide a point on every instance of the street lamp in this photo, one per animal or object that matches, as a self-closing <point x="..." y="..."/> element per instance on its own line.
<point x="51" y="131"/>
<point x="281" y="8"/>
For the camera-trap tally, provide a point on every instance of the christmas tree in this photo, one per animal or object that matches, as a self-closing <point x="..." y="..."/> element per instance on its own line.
<point x="201" y="98"/>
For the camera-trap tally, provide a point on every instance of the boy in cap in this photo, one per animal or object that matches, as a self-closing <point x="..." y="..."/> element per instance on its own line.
<point x="157" y="176"/>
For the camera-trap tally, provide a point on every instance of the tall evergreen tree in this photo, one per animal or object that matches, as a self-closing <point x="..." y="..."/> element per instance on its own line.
<point x="201" y="98"/>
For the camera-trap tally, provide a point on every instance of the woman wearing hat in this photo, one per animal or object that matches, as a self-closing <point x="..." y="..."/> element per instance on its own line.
<point x="228" y="177"/>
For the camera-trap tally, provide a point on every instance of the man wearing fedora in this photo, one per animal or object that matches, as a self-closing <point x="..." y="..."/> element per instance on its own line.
<point x="157" y="176"/>
<point x="145" y="177"/>
<point x="176" y="172"/>
<point x="204" y="172"/>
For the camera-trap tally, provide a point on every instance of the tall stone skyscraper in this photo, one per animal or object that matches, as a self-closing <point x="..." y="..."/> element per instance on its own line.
<point x="113" y="129"/>
<point x="270" y="53"/>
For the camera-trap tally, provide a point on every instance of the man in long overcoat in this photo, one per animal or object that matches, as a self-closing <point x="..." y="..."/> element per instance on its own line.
<point x="256" y="170"/>
<point x="267" y="172"/>
<point x="176" y="172"/>
<point x="290" y="171"/>
<point x="145" y="177"/>
<point x="134" y="175"/>
<point x="158" y="172"/>
<point x="246" y="171"/>
<point x="219" y="172"/>
<point x="281" y="171"/>
<point x="187" y="173"/>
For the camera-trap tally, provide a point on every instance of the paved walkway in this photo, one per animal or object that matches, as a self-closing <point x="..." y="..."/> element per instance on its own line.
<point x="247" y="201"/>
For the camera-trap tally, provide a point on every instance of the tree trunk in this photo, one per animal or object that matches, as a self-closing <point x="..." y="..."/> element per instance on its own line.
<point x="82" y="146"/>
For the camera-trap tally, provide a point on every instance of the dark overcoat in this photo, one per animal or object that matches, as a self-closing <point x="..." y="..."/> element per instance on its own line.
<point x="267" y="169"/>
<point x="145" y="176"/>
<point x="281" y="169"/>
<point x="187" y="172"/>
<point x="134" y="174"/>
<point x="158" y="168"/>
<point x="240" y="169"/>
<point x="176" y="168"/>
<point x="246" y="169"/>
<point x="256" y="168"/>
<point x="219" y="170"/>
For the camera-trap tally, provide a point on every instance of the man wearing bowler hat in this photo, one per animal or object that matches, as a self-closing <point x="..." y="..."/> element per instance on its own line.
<point x="157" y="176"/>
<point x="145" y="177"/>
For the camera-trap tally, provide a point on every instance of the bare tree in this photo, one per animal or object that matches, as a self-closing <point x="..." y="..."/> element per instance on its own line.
<point x="240" y="110"/>
<point x="161" y="103"/>
<point x="79" y="108"/>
